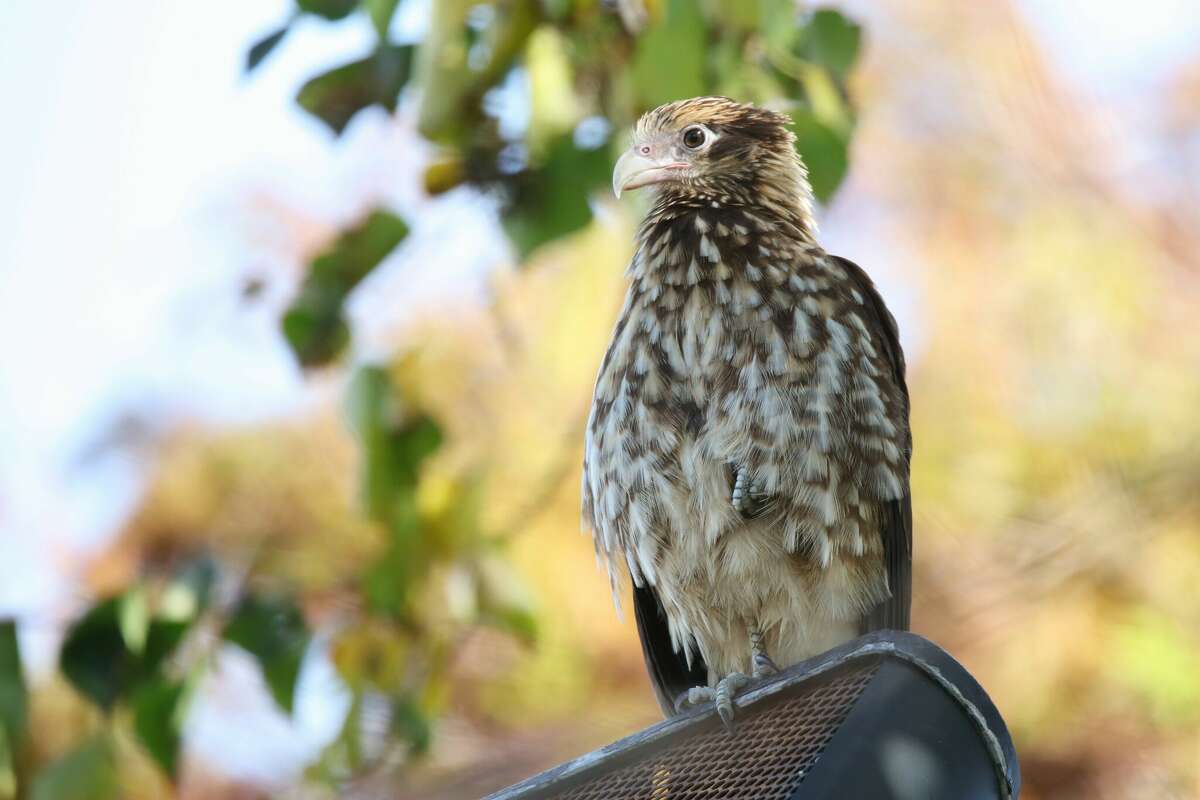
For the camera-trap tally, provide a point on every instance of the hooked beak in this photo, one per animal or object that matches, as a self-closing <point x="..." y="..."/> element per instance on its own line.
<point x="634" y="171"/>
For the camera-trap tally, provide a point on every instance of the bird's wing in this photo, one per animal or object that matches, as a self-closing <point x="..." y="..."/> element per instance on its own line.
<point x="670" y="674"/>
<point x="894" y="612"/>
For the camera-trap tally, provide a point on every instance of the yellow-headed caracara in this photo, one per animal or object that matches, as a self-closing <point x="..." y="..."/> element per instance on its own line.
<point x="747" y="453"/>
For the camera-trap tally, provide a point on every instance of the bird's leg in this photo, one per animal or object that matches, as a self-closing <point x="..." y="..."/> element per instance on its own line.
<point x="722" y="695"/>
<point x="761" y="665"/>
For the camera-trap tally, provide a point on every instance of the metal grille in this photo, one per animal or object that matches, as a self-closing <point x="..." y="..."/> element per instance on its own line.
<point x="773" y="750"/>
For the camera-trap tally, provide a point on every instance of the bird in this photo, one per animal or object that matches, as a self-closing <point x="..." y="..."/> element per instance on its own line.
<point x="747" y="450"/>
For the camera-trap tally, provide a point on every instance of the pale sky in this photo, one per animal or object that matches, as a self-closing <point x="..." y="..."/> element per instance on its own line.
<point x="121" y="246"/>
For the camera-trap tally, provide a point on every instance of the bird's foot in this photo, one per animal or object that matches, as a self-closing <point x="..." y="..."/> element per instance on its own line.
<point x="763" y="666"/>
<point x="695" y="696"/>
<point x="748" y="497"/>
<point x="741" y="489"/>
<point x="721" y="695"/>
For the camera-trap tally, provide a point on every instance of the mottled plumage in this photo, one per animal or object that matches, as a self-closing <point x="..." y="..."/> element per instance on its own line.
<point x="748" y="446"/>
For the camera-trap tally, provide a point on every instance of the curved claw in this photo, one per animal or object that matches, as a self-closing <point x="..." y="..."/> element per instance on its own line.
<point x="726" y="689"/>
<point x="740" y="489"/>
<point x="748" y="497"/>
<point x="725" y="711"/>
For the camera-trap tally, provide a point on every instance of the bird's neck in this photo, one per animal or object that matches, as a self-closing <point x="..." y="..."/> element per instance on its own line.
<point x="785" y="194"/>
<point x="777" y="195"/>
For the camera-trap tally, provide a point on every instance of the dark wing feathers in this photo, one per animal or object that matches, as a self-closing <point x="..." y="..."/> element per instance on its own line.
<point x="669" y="673"/>
<point x="894" y="612"/>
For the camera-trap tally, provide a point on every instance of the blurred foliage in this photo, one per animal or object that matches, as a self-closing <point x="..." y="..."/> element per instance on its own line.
<point x="13" y="708"/>
<point x="589" y="75"/>
<point x="423" y="542"/>
<point x="336" y="96"/>
<point x="88" y="771"/>
<point x="272" y="630"/>
<point x="314" y="326"/>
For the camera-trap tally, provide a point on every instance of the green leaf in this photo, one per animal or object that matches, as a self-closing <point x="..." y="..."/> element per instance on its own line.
<point x="750" y="15"/>
<point x="281" y="674"/>
<point x="8" y="768"/>
<point x="358" y="251"/>
<point x="457" y="63"/>
<point x="272" y="630"/>
<point x="103" y="663"/>
<point x="14" y="707"/>
<point x="89" y="772"/>
<point x="386" y="583"/>
<point x="411" y="444"/>
<point x="557" y="10"/>
<point x="373" y="654"/>
<point x="744" y="79"/>
<point x="518" y="622"/>
<point x="94" y="657"/>
<point x="133" y="618"/>
<point x="162" y="638"/>
<point x="411" y="724"/>
<point x="444" y="174"/>
<point x="826" y="99"/>
<point x="157" y="717"/>
<point x="368" y="397"/>
<point x="738" y="15"/>
<point x="552" y="200"/>
<point x="832" y="40"/>
<point x="381" y="13"/>
<point x="393" y="446"/>
<point x="668" y="63"/>
<point x="778" y="24"/>
<point x="329" y="9"/>
<point x="315" y="337"/>
<point x="263" y="47"/>
<point x="336" y="96"/>
<point x="14" y="697"/>
<point x="313" y="325"/>
<point x="824" y="151"/>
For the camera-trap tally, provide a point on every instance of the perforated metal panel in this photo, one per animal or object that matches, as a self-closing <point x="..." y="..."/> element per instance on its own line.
<point x="767" y="759"/>
<point x="823" y="729"/>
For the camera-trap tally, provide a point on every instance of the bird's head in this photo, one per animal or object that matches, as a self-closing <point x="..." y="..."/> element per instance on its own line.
<point x="715" y="147"/>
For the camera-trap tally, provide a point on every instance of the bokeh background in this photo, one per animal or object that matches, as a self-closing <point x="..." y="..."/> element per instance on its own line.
<point x="292" y="393"/>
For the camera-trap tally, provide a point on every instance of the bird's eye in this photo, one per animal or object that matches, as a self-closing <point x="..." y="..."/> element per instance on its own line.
<point x="694" y="137"/>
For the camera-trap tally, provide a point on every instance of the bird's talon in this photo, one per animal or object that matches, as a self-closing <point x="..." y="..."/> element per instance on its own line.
<point x="726" y="690"/>
<point x="749" y="497"/>
<point x="740" y="489"/>
<point x="725" y="712"/>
